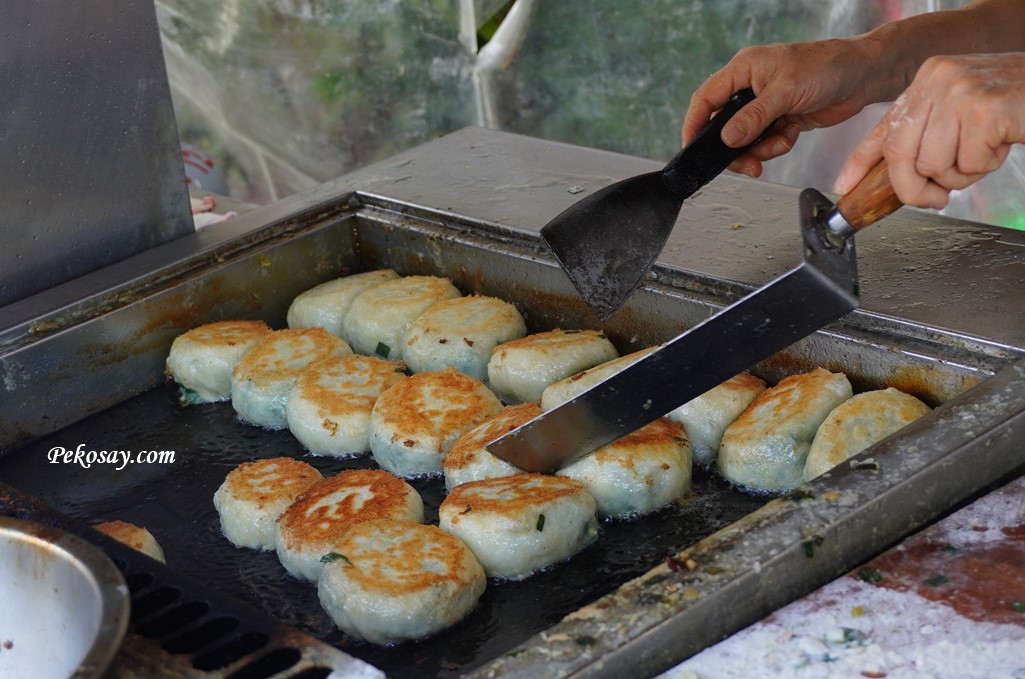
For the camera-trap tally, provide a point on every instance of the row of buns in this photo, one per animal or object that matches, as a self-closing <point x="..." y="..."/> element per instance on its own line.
<point x="422" y="378"/>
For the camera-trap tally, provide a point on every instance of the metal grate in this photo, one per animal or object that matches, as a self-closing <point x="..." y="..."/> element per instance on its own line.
<point x="190" y="630"/>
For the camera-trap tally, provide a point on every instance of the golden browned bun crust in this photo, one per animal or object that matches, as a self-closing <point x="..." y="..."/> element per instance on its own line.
<point x="136" y="537"/>
<point x="766" y="447"/>
<point x="202" y="359"/>
<point x="225" y="333"/>
<point x="265" y="482"/>
<point x="331" y="506"/>
<point x="283" y="353"/>
<point x="516" y="525"/>
<point x="262" y="380"/>
<point x="403" y="558"/>
<point x="416" y="421"/>
<point x="790" y="393"/>
<point x="329" y="408"/>
<point x="653" y="434"/>
<point x="355" y="385"/>
<point x="253" y="496"/>
<point x="466" y="449"/>
<point x="320" y="517"/>
<point x="389" y="581"/>
<point x="858" y="423"/>
<point x="745" y="380"/>
<point x="638" y="473"/>
<point x="419" y="410"/>
<point x="509" y="496"/>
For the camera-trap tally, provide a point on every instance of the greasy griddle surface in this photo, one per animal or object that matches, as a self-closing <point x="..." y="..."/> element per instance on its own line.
<point x="175" y="502"/>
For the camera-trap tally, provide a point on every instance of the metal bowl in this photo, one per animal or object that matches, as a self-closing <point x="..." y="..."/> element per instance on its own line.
<point x="65" y="604"/>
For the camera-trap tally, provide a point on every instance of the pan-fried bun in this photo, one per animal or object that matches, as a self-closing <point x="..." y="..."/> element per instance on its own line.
<point x="461" y="333"/>
<point x="469" y="459"/>
<point x="857" y="423"/>
<point x="136" y="537"/>
<point x="262" y="380"/>
<point x="201" y="360"/>
<point x="329" y="407"/>
<point x="324" y="306"/>
<point x="706" y="417"/>
<point x="378" y="318"/>
<point x="518" y="524"/>
<point x="639" y="473"/>
<point x="254" y="495"/>
<point x="520" y="370"/>
<point x="391" y="581"/>
<point x="571" y="387"/>
<point x="313" y="525"/>
<point x="765" y="449"/>
<point x="414" y="422"/>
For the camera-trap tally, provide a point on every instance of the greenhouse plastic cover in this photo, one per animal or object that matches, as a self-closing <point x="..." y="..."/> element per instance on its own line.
<point x="286" y="94"/>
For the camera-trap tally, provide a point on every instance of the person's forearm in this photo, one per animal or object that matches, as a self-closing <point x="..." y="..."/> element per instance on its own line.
<point x="899" y="48"/>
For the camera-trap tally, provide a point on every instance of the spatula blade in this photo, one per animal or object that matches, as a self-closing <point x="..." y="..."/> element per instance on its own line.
<point x="636" y="215"/>
<point x="821" y="290"/>
<point x="608" y="241"/>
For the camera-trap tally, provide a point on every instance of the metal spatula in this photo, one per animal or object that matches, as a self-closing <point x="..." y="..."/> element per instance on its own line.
<point x="822" y="289"/>
<point x="608" y="241"/>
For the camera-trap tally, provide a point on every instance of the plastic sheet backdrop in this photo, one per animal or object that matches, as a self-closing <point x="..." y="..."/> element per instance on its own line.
<point x="285" y="94"/>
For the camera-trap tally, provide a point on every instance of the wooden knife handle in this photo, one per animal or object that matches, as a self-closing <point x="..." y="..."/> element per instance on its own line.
<point x="871" y="200"/>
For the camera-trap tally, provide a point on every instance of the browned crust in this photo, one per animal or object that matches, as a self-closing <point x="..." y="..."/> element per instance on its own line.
<point x="125" y="533"/>
<point x="369" y="494"/>
<point x="661" y="432"/>
<point x="744" y="382"/>
<point x="447" y="319"/>
<point x="398" y="568"/>
<point x="409" y="291"/>
<point x="613" y="366"/>
<point x="791" y="394"/>
<point x="223" y="334"/>
<point x="264" y="482"/>
<point x="508" y="496"/>
<point x="551" y="341"/>
<point x="465" y="448"/>
<point x="468" y="401"/>
<point x="283" y="353"/>
<point x="347" y="373"/>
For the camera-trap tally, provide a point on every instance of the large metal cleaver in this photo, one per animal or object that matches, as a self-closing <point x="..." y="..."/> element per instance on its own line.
<point x="821" y="290"/>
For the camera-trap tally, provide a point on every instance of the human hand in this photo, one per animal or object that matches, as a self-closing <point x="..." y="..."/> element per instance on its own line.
<point x="806" y="85"/>
<point x="952" y="126"/>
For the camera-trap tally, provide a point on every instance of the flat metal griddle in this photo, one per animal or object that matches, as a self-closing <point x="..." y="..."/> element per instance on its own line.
<point x="175" y="502"/>
<point x="86" y="366"/>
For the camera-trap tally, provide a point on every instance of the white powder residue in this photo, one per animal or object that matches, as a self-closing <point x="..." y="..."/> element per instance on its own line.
<point x="984" y="520"/>
<point x="850" y="628"/>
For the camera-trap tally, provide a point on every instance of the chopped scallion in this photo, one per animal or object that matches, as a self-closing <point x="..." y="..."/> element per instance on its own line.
<point x="335" y="556"/>
<point x="870" y="575"/>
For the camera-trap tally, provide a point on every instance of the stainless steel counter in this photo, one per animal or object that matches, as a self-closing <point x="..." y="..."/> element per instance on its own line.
<point x="915" y="265"/>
